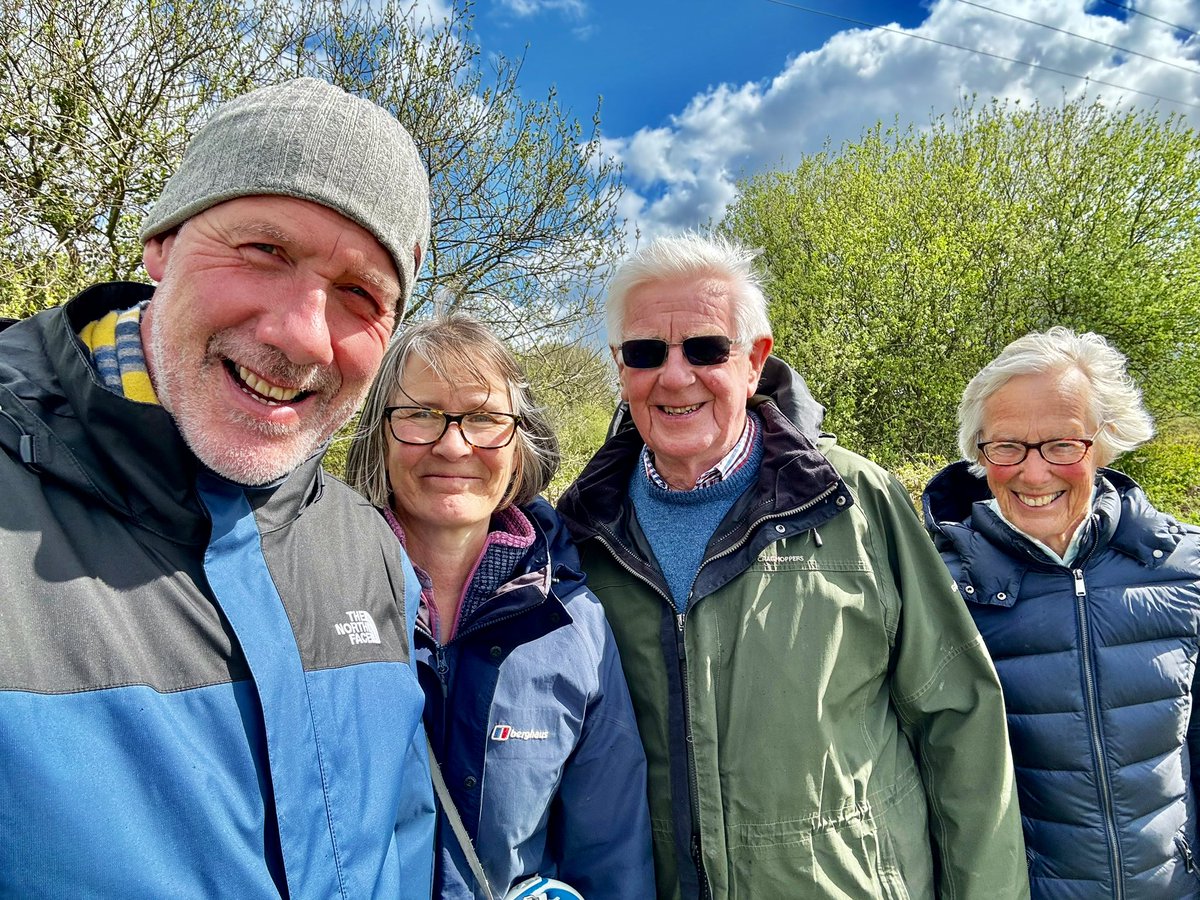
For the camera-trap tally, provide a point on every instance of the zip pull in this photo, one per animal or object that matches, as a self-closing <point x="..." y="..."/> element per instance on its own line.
<point x="443" y="670"/>
<point x="1189" y="861"/>
<point x="679" y="620"/>
<point x="816" y="537"/>
<point x="28" y="449"/>
<point x="1080" y="591"/>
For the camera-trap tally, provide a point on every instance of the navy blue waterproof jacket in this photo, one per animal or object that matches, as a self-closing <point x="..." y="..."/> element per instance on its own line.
<point x="205" y="690"/>
<point x="530" y="717"/>
<point x="1098" y="665"/>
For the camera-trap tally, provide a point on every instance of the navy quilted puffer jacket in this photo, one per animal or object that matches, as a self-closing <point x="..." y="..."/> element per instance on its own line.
<point x="1098" y="665"/>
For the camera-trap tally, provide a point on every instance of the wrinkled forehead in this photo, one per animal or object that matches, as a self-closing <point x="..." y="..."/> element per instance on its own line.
<point x="1056" y="397"/>
<point x="305" y="227"/>
<point x="679" y="306"/>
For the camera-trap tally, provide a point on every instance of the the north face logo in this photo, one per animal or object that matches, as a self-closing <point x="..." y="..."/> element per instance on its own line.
<point x="508" y="733"/>
<point x="360" y="629"/>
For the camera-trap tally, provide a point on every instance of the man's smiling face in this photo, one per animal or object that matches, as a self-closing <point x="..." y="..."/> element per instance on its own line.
<point x="689" y="416"/>
<point x="269" y="321"/>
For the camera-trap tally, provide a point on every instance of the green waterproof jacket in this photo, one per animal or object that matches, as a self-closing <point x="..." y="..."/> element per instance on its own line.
<point x="824" y="720"/>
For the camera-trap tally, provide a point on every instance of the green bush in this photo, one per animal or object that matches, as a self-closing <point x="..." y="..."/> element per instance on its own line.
<point x="1168" y="469"/>
<point x="915" y="473"/>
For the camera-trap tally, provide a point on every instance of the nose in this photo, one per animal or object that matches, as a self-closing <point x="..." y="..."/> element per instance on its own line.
<point x="676" y="370"/>
<point x="452" y="444"/>
<point x="296" y="325"/>
<point x="1035" y="470"/>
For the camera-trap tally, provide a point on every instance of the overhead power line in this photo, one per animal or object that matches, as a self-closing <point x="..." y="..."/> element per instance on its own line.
<point x="1138" y="12"/>
<point x="1020" y="62"/>
<point x="1082" y="37"/>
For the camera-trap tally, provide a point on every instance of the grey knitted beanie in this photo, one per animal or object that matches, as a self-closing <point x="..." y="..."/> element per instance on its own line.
<point x="306" y="138"/>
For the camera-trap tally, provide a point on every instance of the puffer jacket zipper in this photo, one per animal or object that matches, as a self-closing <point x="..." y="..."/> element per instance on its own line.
<point x="1093" y="714"/>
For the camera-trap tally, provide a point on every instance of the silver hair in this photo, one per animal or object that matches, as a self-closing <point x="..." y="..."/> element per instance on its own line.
<point x="689" y="255"/>
<point x="459" y="350"/>
<point x="1115" y="400"/>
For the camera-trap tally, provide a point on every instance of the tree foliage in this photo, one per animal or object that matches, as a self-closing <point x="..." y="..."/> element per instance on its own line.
<point x="98" y="99"/>
<point x="577" y="386"/>
<point x="902" y="263"/>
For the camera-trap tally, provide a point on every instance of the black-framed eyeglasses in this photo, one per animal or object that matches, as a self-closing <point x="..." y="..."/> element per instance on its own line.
<point x="650" y="353"/>
<point x="1056" y="451"/>
<point x="481" y="429"/>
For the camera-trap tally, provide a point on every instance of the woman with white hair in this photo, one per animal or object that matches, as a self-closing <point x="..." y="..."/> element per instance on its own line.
<point x="1089" y="601"/>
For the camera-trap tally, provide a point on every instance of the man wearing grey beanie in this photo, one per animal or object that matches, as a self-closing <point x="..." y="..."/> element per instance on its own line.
<point x="206" y="685"/>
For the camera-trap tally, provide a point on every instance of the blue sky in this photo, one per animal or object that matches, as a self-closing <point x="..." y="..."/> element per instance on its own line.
<point x="697" y="93"/>
<point x="648" y="59"/>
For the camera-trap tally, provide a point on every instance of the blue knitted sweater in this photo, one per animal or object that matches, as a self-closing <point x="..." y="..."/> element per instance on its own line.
<point x="679" y="524"/>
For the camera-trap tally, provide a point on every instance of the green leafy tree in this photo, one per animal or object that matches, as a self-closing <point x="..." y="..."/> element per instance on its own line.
<point x="903" y="262"/>
<point x="97" y="101"/>
<point x="576" y="384"/>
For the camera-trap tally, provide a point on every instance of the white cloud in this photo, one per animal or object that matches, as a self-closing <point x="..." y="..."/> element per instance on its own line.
<point x="534" y="7"/>
<point x="682" y="174"/>
<point x="433" y="10"/>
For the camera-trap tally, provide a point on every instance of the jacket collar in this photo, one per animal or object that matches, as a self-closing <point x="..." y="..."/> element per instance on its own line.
<point x="796" y="482"/>
<point x="532" y="601"/>
<point x="128" y="456"/>
<point x="989" y="560"/>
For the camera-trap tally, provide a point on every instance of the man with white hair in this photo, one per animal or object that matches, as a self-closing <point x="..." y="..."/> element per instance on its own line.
<point x="205" y="660"/>
<point x="819" y="715"/>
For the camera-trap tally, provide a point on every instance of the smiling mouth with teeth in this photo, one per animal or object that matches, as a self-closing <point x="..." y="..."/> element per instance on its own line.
<point x="1043" y="500"/>
<point x="263" y="391"/>
<point x="680" y="410"/>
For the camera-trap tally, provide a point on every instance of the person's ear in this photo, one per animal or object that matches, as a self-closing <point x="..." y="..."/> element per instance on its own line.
<point x="155" y="254"/>
<point x="616" y="355"/>
<point x="757" y="355"/>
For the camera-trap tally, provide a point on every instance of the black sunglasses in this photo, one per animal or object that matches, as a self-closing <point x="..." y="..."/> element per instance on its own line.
<point x="650" y="353"/>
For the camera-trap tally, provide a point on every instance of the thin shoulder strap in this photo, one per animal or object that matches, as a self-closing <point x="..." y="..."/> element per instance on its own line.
<point x="456" y="823"/>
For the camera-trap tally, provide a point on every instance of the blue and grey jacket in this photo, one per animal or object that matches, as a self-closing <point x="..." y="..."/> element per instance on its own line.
<point x="206" y="690"/>
<point x="1098" y="664"/>
<point x="530" y="717"/>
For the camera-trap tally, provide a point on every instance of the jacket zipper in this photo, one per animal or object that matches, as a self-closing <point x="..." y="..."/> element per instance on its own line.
<point x="681" y="652"/>
<point x="1093" y="711"/>
<point x="442" y="668"/>
<point x="693" y="777"/>
<point x="1189" y="861"/>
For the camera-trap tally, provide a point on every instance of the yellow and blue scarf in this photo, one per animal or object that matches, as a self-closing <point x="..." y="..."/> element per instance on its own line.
<point x="116" y="345"/>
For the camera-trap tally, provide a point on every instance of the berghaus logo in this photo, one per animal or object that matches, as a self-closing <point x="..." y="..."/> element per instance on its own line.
<point x="508" y="733"/>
